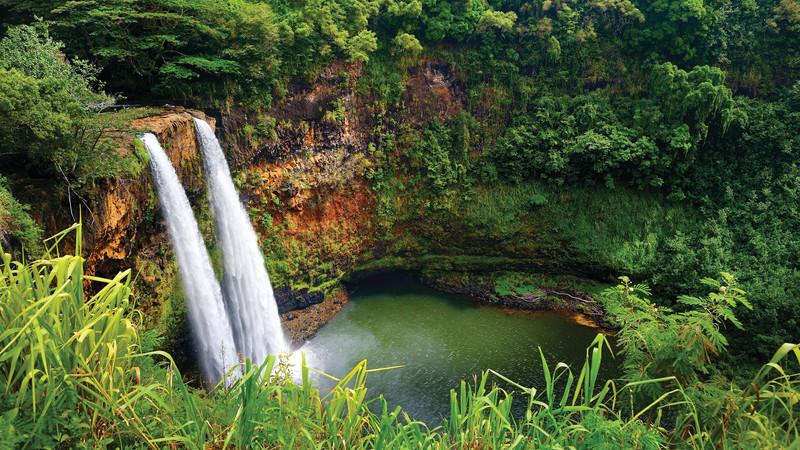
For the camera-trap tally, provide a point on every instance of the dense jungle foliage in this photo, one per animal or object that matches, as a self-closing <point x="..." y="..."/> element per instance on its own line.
<point x="584" y="122"/>
<point x="695" y="101"/>
<point x="81" y="372"/>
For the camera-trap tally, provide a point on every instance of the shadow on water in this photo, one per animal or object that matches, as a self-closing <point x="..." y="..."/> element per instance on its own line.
<point x="440" y="339"/>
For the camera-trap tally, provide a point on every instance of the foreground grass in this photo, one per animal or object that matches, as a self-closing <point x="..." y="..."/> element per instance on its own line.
<point x="77" y="371"/>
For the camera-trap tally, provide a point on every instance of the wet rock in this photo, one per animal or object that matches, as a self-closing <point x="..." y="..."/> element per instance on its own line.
<point x="118" y="216"/>
<point x="308" y="321"/>
<point x="293" y="300"/>
<point x="564" y="299"/>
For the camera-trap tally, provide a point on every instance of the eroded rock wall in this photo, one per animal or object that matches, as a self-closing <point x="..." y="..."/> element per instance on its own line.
<point x="123" y="223"/>
<point x="305" y="166"/>
<point x="305" y="170"/>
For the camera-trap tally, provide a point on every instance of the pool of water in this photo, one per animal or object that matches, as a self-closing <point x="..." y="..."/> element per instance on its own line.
<point x="439" y="339"/>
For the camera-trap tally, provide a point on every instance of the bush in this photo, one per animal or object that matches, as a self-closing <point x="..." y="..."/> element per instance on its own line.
<point x="17" y="228"/>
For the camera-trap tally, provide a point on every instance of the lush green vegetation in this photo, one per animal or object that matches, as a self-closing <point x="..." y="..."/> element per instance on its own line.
<point x="49" y="107"/>
<point x="651" y="138"/>
<point x="685" y="101"/>
<point x="78" y="371"/>
<point x="15" y="221"/>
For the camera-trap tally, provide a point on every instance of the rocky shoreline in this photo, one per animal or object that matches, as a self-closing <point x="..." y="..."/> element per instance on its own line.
<point x="303" y="323"/>
<point x="303" y="313"/>
<point x="583" y="307"/>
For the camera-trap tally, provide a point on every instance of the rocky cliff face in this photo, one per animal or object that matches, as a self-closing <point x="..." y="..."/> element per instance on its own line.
<point x="305" y="166"/>
<point x="304" y="170"/>
<point x="317" y="197"/>
<point x="122" y="223"/>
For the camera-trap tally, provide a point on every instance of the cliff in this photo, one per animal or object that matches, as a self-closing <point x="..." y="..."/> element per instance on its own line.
<point x="308" y="166"/>
<point x="332" y="191"/>
<point x="122" y="224"/>
<point x="124" y="228"/>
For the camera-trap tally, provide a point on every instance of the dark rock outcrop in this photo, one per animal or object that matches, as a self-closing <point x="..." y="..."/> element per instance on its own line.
<point x="302" y="324"/>
<point x="293" y="300"/>
<point x="585" y="309"/>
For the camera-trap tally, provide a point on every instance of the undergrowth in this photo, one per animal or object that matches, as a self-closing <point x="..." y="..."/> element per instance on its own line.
<point x="76" y="370"/>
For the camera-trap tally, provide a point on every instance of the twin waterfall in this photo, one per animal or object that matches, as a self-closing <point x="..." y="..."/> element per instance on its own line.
<point x="240" y="320"/>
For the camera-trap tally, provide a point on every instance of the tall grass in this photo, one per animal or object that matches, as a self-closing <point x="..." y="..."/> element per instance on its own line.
<point x="61" y="351"/>
<point x="73" y="373"/>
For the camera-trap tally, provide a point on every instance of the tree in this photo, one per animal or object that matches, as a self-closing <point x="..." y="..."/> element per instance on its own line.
<point x="48" y="109"/>
<point x="17" y="228"/>
<point x="406" y="43"/>
<point x="32" y="51"/>
<point x="502" y="21"/>
<point x="359" y="47"/>
<point x="659" y="342"/>
<point x="198" y="51"/>
<point x="674" y="30"/>
<point x="450" y="19"/>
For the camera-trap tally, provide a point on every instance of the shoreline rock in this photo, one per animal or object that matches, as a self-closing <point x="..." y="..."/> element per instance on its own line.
<point x="289" y="299"/>
<point x="303" y="322"/>
<point x="584" y="308"/>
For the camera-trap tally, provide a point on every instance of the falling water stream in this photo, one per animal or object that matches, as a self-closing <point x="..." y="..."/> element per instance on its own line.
<point x="252" y="310"/>
<point x="212" y="332"/>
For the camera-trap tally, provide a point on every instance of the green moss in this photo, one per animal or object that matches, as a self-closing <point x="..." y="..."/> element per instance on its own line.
<point x="124" y="116"/>
<point x="173" y="312"/>
<point x="501" y="208"/>
<point x="515" y="284"/>
<point x="438" y="262"/>
<point x="266" y="127"/>
<point x="605" y="231"/>
<point x="336" y="113"/>
<point x="618" y="228"/>
<point x="518" y="283"/>
<point x="136" y="163"/>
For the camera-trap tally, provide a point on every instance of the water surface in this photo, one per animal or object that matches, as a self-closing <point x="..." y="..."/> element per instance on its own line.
<point x="439" y="339"/>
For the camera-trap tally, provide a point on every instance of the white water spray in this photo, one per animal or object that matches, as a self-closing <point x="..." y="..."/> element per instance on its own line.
<point x="212" y="332"/>
<point x="248" y="292"/>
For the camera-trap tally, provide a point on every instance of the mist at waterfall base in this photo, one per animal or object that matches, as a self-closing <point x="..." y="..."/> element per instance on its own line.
<point x="212" y="334"/>
<point x="252" y="310"/>
<point x="440" y="339"/>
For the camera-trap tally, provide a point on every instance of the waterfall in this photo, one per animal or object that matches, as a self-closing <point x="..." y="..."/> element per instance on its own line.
<point x="248" y="292"/>
<point x="212" y="332"/>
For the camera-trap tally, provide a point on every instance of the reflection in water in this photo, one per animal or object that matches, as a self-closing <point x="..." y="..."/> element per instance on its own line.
<point x="439" y="339"/>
